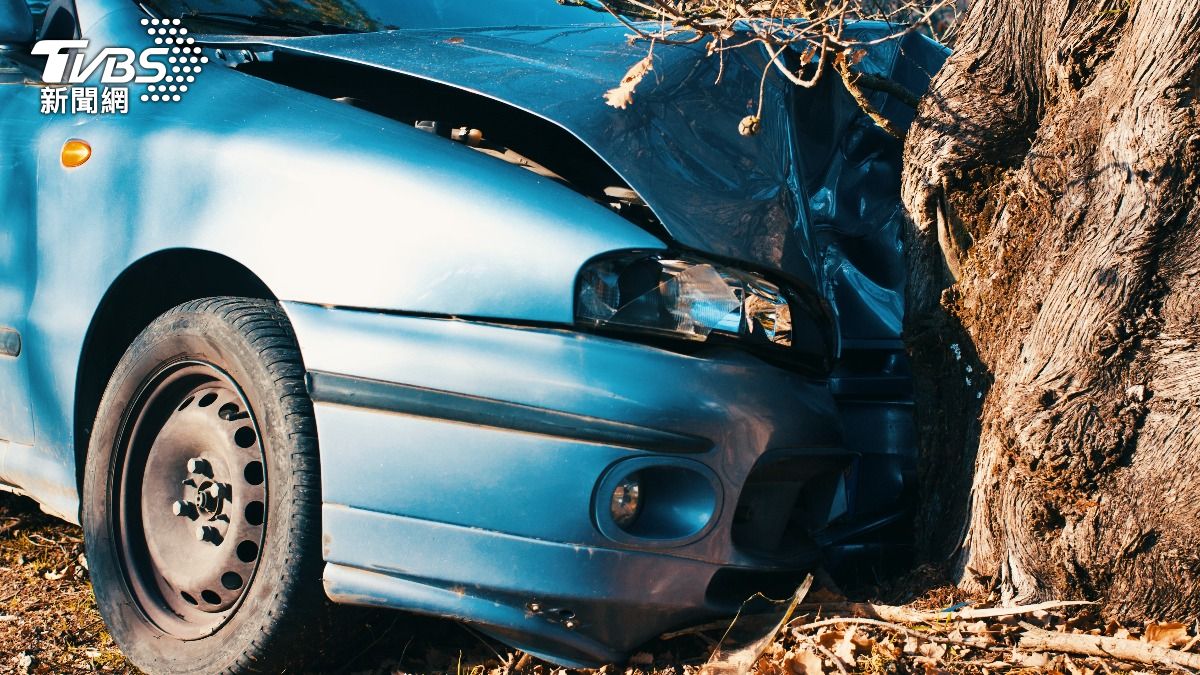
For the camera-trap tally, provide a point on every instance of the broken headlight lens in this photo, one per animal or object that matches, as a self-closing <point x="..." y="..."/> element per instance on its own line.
<point x="684" y="298"/>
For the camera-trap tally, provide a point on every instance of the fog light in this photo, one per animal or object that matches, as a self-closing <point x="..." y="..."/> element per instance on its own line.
<point x="626" y="501"/>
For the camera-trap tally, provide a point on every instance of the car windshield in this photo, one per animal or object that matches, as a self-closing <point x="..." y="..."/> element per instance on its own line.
<point x="303" y="17"/>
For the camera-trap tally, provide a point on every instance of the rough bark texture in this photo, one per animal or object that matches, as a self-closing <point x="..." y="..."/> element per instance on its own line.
<point x="1052" y="178"/>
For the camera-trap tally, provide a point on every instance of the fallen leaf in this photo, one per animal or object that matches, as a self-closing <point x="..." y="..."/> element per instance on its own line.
<point x="932" y="650"/>
<point x="978" y="628"/>
<point x="1036" y="660"/>
<point x="845" y="649"/>
<point x="829" y="638"/>
<point x="803" y="662"/>
<point x="1172" y="634"/>
<point x="863" y="641"/>
<point x="1075" y="669"/>
<point x="621" y="96"/>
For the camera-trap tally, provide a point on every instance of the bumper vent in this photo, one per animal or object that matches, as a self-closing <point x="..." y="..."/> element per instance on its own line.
<point x="787" y="502"/>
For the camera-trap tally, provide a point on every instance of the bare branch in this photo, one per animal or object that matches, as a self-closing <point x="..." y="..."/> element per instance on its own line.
<point x="817" y="29"/>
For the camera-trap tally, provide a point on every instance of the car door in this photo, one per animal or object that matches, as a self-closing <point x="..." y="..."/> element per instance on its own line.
<point x="20" y="121"/>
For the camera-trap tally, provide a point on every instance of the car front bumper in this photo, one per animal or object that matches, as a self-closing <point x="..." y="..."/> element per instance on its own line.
<point x="467" y="470"/>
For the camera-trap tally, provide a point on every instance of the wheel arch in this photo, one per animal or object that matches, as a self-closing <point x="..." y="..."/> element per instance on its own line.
<point x="144" y="290"/>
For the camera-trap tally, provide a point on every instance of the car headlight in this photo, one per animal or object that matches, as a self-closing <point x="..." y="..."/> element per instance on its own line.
<point x="683" y="297"/>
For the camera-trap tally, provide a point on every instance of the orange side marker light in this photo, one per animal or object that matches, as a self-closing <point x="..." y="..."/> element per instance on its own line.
<point x="75" y="152"/>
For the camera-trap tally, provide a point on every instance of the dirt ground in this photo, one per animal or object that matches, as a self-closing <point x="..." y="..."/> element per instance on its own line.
<point x="49" y="624"/>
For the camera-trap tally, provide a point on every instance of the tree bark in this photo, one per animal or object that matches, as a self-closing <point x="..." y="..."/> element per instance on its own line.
<point x="1054" y="295"/>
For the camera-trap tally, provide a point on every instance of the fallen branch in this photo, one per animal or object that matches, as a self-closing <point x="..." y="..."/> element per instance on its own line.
<point x="1036" y="639"/>
<point x="920" y="635"/>
<point x="906" y="615"/>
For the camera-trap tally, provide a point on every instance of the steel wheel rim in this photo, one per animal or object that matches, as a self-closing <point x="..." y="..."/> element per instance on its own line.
<point x="189" y="513"/>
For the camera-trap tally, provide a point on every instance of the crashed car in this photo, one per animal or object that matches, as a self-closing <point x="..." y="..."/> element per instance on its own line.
<point x="378" y="303"/>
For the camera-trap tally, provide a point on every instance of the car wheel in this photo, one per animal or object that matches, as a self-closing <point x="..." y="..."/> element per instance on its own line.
<point x="201" y="498"/>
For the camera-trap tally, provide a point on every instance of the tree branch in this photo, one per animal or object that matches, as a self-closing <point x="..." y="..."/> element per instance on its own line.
<point x="1036" y="639"/>
<point x="849" y="78"/>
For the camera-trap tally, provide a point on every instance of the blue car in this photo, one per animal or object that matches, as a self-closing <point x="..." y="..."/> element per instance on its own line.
<point x="379" y="303"/>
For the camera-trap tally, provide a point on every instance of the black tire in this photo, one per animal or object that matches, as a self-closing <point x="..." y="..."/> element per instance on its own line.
<point x="145" y="576"/>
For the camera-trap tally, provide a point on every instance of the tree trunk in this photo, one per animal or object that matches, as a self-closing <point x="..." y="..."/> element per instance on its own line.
<point x="1054" y="302"/>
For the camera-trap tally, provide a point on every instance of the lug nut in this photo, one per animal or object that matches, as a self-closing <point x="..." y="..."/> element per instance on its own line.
<point x="209" y="534"/>
<point x="199" y="466"/>
<point x="184" y="509"/>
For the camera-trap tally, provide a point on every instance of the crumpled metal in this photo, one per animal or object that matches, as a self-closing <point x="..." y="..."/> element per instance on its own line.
<point x="812" y="197"/>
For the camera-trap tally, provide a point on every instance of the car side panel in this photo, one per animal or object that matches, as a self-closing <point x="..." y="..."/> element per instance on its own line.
<point x="327" y="204"/>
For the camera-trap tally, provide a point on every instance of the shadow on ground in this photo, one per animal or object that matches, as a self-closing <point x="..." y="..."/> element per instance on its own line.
<point x="49" y="622"/>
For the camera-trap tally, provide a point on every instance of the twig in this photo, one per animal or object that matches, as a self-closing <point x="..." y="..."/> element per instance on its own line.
<point x="1191" y="643"/>
<point x="889" y="86"/>
<point x="849" y="78"/>
<point x="695" y="630"/>
<point x="833" y="658"/>
<point x="374" y="642"/>
<point x="1036" y="639"/>
<point x="479" y="637"/>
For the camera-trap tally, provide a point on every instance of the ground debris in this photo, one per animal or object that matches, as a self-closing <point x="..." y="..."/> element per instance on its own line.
<point x="49" y="624"/>
<point x="48" y="617"/>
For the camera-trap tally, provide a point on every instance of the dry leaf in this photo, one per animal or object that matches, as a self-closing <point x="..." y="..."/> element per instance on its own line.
<point x="929" y="666"/>
<point x="863" y="641"/>
<point x="978" y="628"/>
<point x="846" y="648"/>
<point x="1035" y="660"/>
<point x="829" y="638"/>
<point x="932" y="650"/>
<point x="803" y="662"/>
<point x="621" y="96"/>
<point x="1075" y="669"/>
<point x="1168" y="635"/>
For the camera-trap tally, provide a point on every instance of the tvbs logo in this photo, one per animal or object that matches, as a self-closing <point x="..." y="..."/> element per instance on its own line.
<point x="66" y="63"/>
<point x="166" y="69"/>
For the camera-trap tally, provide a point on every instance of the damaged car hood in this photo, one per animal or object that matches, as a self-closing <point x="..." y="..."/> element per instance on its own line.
<point x="814" y="196"/>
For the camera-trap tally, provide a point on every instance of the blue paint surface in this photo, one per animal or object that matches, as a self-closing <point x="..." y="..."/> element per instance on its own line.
<point x="376" y="237"/>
